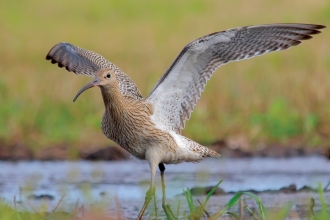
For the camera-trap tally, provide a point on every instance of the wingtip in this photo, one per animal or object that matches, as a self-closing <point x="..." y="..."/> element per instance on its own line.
<point x="295" y="42"/>
<point x="315" y="31"/>
<point x="305" y="37"/>
<point x="52" y="54"/>
<point x="314" y="26"/>
<point x="320" y="26"/>
<point x="49" y="55"/>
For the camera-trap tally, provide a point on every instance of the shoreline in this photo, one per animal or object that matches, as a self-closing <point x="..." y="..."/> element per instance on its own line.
<point x="16" y="152"/>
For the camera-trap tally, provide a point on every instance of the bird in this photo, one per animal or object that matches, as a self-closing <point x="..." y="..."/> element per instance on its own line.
<point x="150" y="127"/>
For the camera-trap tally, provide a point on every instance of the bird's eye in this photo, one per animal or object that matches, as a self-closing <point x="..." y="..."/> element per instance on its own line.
<point x="108" y="75"/>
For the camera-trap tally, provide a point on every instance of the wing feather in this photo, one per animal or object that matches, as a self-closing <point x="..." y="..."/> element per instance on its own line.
<point x="178" y="90"/>
<point x="85" y="62"/>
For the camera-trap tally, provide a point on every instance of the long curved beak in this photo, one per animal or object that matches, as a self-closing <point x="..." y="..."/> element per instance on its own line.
<point x="95" y="82"/>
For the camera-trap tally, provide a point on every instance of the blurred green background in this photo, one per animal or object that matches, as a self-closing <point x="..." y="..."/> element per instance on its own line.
<point x="281" y="97"/>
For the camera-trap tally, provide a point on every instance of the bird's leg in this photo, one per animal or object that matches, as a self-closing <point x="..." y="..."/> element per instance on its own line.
<point x="162" y="169"/>
<point x="151" y="190"/>
<point x="149" y="194"/>
<point x="165" y="204"/>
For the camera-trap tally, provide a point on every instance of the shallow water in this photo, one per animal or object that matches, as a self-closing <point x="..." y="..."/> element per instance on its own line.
<point x="101" y="182"/>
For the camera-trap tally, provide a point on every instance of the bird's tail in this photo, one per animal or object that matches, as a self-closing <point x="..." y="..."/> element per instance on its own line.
<point x="197" y="148"/>
<point x="211" y="153"/>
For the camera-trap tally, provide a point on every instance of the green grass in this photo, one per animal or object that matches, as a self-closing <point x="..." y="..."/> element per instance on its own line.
<point x="10" y="213"/>
<point x="195" y="211"/>
<point x="273" y="98"/>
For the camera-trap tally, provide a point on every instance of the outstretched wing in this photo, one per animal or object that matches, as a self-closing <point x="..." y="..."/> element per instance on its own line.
<point x="176" y="93"/>
<point x="81" y="61"/>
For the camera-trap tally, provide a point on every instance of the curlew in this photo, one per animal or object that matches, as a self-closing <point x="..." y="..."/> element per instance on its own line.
<point x="150" y="128"/>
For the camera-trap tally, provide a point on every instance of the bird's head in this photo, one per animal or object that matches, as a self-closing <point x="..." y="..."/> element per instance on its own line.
<point x="104" y="78"/>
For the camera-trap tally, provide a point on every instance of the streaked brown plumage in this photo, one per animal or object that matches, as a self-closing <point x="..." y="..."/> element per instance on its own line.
<point x="149" y="128"/>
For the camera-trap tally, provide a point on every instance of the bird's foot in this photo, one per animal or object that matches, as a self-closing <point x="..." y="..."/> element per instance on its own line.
<point x="168" y="211"/>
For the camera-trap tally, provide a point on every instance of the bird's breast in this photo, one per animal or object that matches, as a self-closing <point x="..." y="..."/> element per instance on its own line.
<point x="135" y="132"/>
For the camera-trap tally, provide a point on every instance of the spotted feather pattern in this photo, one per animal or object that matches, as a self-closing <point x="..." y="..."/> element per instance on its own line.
<point x="176" y="93"/>
<point x="85" y="62"/>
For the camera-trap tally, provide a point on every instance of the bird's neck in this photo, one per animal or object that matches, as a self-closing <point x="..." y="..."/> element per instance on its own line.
<point x="114" y="102"/>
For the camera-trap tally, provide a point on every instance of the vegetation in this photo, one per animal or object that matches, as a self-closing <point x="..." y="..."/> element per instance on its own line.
<point x="279" y="97"/>
<point x="195" y="211"/>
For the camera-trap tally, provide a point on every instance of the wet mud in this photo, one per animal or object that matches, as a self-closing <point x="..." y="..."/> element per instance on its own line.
<point x="277" y="181"/>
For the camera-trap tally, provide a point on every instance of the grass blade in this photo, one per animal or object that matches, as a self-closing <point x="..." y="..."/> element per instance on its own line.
<point x="323" y="214"/>
<point x="204" y="210"/>
<point x="233" y="215"/>
<point x="211" y="192"/>
<point x="261" y="209"/>
<point x="178" y="210"/>
<point x="252" y="213"/>
<point x="190" y="200"/>
<point x="235" y="200"/>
